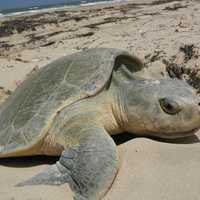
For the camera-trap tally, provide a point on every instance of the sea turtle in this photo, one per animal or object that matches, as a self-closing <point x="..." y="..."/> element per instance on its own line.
<point x="73" y="105"/>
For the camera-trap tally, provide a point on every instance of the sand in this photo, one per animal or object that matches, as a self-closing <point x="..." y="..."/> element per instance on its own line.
<point x="149" y="170"/>
<point x="154" y="170"/>
<point x="164" y="34"/>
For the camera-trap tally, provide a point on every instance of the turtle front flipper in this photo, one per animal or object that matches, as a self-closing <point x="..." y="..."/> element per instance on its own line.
<point x="89" y="167"/>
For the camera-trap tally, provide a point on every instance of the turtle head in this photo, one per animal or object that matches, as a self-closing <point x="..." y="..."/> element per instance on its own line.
<point x="161" y="108"/>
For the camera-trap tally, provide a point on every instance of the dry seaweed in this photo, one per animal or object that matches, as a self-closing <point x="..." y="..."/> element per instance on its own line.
<point x="189" y="51"/>
<point x="182" y="71"/>
<point x="174" y="7"/>
<point x="48" y="44"/>
<point x="109" y="20"/>
<point x="5" y="45"/>
<point x="76" y="18"/>
<point x="156" y="55"/>
<point x="192" y="76"/>
<point x="19" y="25"/>
<point x="158" y="2"/>
<point x="85" y="34"/>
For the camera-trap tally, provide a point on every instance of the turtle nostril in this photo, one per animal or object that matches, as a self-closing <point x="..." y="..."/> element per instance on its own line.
<point x="199" y="103"/>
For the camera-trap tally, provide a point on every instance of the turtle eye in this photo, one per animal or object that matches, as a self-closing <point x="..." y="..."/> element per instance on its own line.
<point x="169" y="106"/>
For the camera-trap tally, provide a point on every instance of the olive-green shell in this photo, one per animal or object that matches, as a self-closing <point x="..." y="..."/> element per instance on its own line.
<point x="28" y="113"/>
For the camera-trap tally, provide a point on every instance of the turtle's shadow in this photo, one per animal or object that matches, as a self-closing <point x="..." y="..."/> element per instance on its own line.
<point x="125" y="137"/>
<point x="24" y="162"/>
<point x="186" y="140"/>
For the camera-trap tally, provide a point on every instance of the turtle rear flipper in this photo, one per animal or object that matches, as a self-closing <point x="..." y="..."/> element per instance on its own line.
<point x="89" y="167"/>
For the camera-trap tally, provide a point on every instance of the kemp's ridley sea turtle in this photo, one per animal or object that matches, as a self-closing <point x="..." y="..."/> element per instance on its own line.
<point x="73" y="105"/>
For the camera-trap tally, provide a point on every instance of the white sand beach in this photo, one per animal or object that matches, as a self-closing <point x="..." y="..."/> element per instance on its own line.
<point x="164" y="34"/>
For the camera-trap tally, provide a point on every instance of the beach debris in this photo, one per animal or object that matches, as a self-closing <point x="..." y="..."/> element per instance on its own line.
<point x="183" y="70"/>
<point x="189" y="51"/>
<point x="108" y="20"/>
<point x="156" y="55"/>
<point x="21" y="60"/>
<point x="85" y="34"/>
<point x="175" y="6"/>
<point x="5" y="45"/>
<point x="159" y="2"/>
<point x="16" y="25"/>
<point x="192" y="76"/>
<point x="48" y="44"/>
<point x="22" y="24"/>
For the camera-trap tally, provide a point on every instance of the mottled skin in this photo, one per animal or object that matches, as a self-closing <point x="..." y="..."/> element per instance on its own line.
<point x="80" y="131"/>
